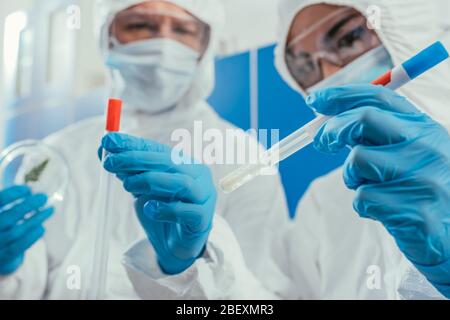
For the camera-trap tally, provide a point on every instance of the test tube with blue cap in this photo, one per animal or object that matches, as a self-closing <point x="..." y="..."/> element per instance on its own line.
<point x="393" y="79"/>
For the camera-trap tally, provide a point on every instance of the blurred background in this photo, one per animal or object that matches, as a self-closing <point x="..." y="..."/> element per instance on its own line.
<point x="51" y="75"/>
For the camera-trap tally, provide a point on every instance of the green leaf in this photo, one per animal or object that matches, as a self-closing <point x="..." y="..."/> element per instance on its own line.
<point x="35" y="173"/>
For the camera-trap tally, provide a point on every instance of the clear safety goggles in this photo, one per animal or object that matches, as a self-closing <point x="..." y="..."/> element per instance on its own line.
<point x="135" y="24"/>
<point x="338" y="38"/>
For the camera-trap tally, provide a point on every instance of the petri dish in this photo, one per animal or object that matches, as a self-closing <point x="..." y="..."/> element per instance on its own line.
<point x="38" y="165"/>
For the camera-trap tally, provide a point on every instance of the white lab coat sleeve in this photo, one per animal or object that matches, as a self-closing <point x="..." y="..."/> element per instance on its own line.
<point x="29" y="281"/>
<point x="220" y="274"/>
<point x="414" y="286"/>
<point x="304" y="247"/>
<point x="259" y="218"/>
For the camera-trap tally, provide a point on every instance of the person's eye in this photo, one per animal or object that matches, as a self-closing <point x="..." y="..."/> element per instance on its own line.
<point x="138" y="26"/>
<point x="349" y="39"/>
<point x="302" y="62"/>
<point x="299" y="56"/>
<point x="135" y="26"/>
<point x="306" y="68"/>
<point x="184" y="30"/>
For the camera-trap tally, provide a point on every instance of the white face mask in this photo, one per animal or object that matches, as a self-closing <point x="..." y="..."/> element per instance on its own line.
<point x="157" y="73"/>
<point x="365" y="69"/>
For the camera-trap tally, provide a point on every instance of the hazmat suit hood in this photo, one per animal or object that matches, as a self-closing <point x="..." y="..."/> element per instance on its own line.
<point x="405" y="28"/>
<point x="210" y="12"/>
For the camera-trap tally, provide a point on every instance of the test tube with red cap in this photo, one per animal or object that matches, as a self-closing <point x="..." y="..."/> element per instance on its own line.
<point x="104" y="209"/>
<point x="392" y="79"/>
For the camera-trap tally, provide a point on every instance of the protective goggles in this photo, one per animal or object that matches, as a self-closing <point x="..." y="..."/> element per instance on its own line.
<point x="140" y="24"/>
<point x="338" y="38"/>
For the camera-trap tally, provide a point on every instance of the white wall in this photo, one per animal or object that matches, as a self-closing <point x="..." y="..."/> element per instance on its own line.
<point x="89" y="65"/>
<point x="250" y="24"/>
<point x="7" y="7"/>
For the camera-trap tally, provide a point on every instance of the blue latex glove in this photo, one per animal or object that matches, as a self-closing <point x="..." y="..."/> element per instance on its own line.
<point x="21" y="218"/>
<point x="400" y="167"/>
<point x="175" y="203"/>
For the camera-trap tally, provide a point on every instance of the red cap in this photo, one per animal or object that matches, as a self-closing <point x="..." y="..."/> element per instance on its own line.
<point x="113" y="116"/>
<point x="384" y="80"/>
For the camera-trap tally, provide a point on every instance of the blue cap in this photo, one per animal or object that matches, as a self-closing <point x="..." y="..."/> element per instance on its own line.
<point x="425" y="60"/>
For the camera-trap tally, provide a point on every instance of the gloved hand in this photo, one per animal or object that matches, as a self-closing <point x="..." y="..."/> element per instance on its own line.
<point x="399" y="165"/>
<point x="21" y="218"/>
<point x="175" y="203"/>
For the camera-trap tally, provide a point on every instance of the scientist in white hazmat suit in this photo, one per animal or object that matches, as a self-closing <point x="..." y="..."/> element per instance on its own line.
<point x="330" y="252"/>
<point x="164" y="52"/>
<point x="331" y="241"/>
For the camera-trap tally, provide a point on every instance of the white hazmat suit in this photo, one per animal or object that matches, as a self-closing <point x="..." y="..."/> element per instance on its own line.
<point x="329" y="252"/>
<point x="51" y="265"/>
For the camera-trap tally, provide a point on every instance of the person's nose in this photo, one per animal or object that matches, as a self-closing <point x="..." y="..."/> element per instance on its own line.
<point x="165" y="30"/>
<point x="328" y="68"/>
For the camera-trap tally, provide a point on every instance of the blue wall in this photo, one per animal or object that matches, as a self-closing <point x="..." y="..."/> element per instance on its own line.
<point x="231" y="97"/>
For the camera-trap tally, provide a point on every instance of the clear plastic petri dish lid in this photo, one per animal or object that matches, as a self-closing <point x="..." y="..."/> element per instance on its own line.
<point x="37" y="165"/>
